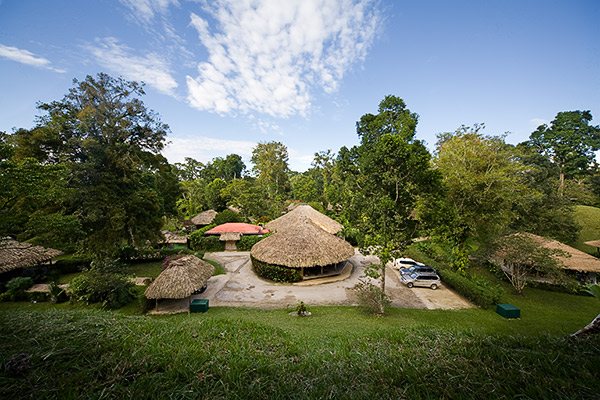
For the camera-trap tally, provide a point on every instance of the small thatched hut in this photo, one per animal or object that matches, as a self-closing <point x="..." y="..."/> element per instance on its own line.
<point x="180" y="279"/>
<point x="174" y="241"/>
<point x="15" y="255"/>
<point x="200" y="220"/>
<point x="586" y="267"/>
<point x="305" y="211"/>
<point x="304" y="246"/>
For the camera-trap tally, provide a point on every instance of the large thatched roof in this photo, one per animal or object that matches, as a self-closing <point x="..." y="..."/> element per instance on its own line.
<point x="14" y="255"/>
<point x="290" y="219"/>
<point x="306" y="245"/>
<point x="204" y="218"/>
<point x="180" y="279"/>
<point x="578" y="260"/>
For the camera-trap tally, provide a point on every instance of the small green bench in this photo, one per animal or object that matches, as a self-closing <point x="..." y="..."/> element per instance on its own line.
<point x="199" y="305"/>
<point x="508" y="311"/>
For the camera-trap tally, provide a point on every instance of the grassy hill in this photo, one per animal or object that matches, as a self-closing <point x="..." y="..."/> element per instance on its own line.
<point x="338" y="352"/>
<point x="589" y="219"/>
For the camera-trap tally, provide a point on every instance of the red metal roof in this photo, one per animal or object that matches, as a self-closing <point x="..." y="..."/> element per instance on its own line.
<point x="238" y="227"/>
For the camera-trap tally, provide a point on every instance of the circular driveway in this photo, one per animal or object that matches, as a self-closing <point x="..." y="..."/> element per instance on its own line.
<point x="240" y="286"/>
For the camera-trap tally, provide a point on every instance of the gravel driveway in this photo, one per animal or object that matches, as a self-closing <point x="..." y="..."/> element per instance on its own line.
<point x="242" y="287"/>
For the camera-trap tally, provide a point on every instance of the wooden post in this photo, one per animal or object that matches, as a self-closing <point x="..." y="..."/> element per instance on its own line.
<point x="302" y="272"/>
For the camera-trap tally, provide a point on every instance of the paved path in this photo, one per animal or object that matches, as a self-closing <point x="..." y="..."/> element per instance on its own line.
<point x="241" y="287"/>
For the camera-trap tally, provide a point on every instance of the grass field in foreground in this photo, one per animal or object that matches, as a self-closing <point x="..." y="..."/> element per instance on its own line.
<point x="338" y="352"/>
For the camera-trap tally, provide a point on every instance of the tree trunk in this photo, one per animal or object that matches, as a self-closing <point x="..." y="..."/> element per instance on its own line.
<point x="561" y="185"/>
<point x="382" y="300"/>
<point x="592" y="327"/>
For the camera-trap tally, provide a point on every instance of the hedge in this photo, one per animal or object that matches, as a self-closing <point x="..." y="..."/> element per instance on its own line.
<point x="246" y="242"/>
<point x="276" y="273"/>
<point x="478" y="290"/>
<point x="206" y="243"/>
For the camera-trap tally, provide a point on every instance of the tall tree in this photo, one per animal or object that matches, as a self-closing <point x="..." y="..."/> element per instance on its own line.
<point x="390" y="172"/>
<point x="569" y="142"/>
<point x="271" y="167"/>
<point x="111" y="143"/>
<point x="485" y="182"/>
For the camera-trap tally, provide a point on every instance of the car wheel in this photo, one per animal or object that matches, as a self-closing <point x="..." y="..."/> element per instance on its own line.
<point x="409" y="284"/>
<point x="434" y="286"/>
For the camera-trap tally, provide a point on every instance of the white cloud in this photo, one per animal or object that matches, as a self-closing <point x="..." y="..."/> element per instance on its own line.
<point x="205" y="149"/>
<point x="151" y="68"/>
<point x="144" y="10"/>
<point x="26" y="57"/>
<point x="268" y="56"/>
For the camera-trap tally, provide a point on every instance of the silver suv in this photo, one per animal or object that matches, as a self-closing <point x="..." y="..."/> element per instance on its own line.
<point x="421" y="279"/>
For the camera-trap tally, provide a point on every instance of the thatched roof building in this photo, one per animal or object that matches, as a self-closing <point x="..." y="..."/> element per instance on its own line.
<point x="173" y="238"/>
<point x="578" y="260"/>
<point x="204" y="218"/>
<point x="180" y="279"/>
<point x="302" y="245"/>
<point x="15" y="255"/>
<point x="304" y="211"/>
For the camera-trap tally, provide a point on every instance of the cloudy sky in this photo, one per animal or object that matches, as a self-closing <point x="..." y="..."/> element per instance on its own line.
<point x="226" y="74"/>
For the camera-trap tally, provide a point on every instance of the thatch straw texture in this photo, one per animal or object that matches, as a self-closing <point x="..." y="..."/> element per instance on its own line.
<point x="14" y="255"/>
<point x="204" y="218"/>
<point x="593" y="243"/>
<point x="306" y="245"/>
<point x="180" y="279"/>
<point x="578" y="261"/>
<point x="226" y="236"/>
<point x="290" y="219"/>
<point x="173" y="238"/>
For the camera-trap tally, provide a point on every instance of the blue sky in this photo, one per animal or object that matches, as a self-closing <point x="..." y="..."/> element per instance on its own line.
<point x="228" y="74"/>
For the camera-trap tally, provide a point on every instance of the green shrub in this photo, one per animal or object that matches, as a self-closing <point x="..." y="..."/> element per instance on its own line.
<point x="144" y="304"/>
<point x="276" y="273"/>
<point x="354" y="236"/>
<point x="246" y="242"/>
<point x="206" y="243"/>
<point x="370" y="297"/>
<point x="71" y="264"/>
<point x="19" y="284"/>
<point x="57" y="294"/>
<point x="38" y="297"/>
<point x="15" y="289"/>
<point x="204" y="229"/>
<point x="227" y="216"/>
<point x="149" y="254"/>
<point x="111" y="289"/>
<point x="477" y="290"/>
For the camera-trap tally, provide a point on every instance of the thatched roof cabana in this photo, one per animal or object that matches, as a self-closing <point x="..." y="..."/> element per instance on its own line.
<point x="173" y="238"/>
<point x="304" y="244"/>
<point x="578" y="260"/>
<point x="291" y="219"/>
<point x="15" y="255"/>
<point x="204" y="218"/>
<point x="180" y="279"/>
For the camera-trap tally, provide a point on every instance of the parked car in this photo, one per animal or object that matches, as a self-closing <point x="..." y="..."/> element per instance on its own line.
<point x="405" y="262"/>
<point x="420" y="269"/>
<point x="425" y="279"/>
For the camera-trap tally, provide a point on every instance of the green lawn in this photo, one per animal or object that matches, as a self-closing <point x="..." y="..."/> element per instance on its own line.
<point x="338" y="352"/>
<point x="589" y="219"/>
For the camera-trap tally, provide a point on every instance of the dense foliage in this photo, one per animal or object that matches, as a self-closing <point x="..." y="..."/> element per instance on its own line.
<point x="247" y="241"/>
<point x="276" y="273"/>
